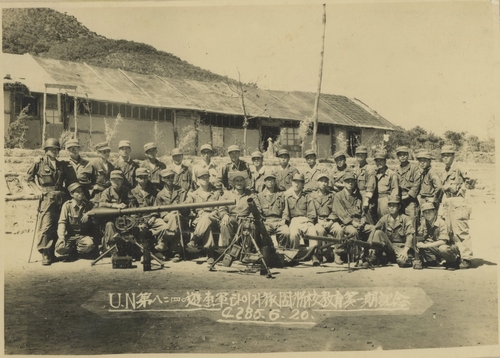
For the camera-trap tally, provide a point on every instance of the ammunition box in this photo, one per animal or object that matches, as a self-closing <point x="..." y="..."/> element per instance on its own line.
<point x="227" y="260"/>
<point x="121" y="261"/>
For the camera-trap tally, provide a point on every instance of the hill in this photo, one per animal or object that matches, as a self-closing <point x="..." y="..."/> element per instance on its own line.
<point x="48" y="33"/>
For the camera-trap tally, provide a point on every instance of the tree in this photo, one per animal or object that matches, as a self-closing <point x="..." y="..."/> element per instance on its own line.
<point x="457" y="139"/>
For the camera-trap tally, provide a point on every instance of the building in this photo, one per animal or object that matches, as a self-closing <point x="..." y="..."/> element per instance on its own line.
<point x="171" y="112"/>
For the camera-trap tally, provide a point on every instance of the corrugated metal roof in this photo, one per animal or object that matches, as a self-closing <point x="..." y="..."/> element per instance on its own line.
<point x="107" y="84"/>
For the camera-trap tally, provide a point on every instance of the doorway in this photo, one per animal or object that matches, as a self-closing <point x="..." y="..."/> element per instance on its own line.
<point x="266" y="133"/>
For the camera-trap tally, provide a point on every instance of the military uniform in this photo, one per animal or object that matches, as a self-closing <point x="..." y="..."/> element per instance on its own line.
<point x="154" y="172"/>
<point x="102" y="169"/>
<point x="430" y="187"/>
<point x="257" y="177"/>
<point x="183" y="177"/>
<point x="223" y="177"/>
<point x="75" y="236"/>
<point x="128" y="168"/>
<point x="51" y="177"/>
<point x="435" y="231"/>
<point x="80" y="171"/>
<point x="387" y="184"/>
<point x="284" y="176"/>
<point x="311" y="177"/>
<point x="323" y="206"/>
<point x="271" y="207"/>
<point x="240" y="210"/>
<point x="170" y="197"/>
<point x="300" y="214"/>
<point x="207" y="219"/>
<point x="409" y="184"/>
<point x="455" y="209"/>
<point x="213" y="170"/>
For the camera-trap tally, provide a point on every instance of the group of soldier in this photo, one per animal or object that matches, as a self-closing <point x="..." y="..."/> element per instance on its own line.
<point x="419" y="216"/>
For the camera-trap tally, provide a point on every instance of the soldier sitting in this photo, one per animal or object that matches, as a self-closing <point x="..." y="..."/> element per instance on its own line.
<point x="322" y="200"/>
<point x="397" y="232"/>
<point x="77" y="234"/>
<point x="145" y="194"/>
<point x="299" y="213"/>
<point x="230" y="214"/>
<point x="271" y="204"/>
<point x="170" y="194"/>
<point x="117" y="196"/>
<point x="433" y="241"/>
<point x="350" y="223"/>
<point x="207" y="219"/>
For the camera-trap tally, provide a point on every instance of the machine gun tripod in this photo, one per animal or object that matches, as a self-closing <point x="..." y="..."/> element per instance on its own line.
<point x="242" y="252"/>
<point x="131" y="222"/>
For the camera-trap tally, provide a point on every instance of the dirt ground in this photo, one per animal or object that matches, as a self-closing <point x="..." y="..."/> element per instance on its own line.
<point x="44" y="313"/>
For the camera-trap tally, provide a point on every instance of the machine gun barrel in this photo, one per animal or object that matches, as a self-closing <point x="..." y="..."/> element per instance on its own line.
<point x="111" y="212"/>
<point x="370" y="245"/>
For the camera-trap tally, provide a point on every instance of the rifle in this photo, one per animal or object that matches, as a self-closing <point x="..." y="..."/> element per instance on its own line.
<point x="333" y="241"/>
<point x="40" y="199"/>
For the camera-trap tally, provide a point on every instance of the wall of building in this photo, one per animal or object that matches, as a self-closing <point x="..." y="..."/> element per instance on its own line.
<point x="186" y="135"/>
<point x="235" y="136"/>
<point x="324" y="145"/>
<point x="138" y="132"/>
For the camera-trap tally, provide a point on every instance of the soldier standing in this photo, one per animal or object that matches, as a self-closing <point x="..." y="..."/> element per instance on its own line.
<point x="366" y="182"/>
<point x="431" y="187"/>
<point x="49" y="175"/>
<point x="387" y="183"/>
<point x="338" y="171"/>
<point x="312" y="172"/>
<point x="235" y="165"/>
<point x="409" y="185"/>
<point x="285" y="171"/>
<point x="77" y="233"/>
<point x="126" y="164"/>
<point x="259" y="171"/>
<point x="271" y="204"/>
<point x="207" y="153"/>
<point x="183" y="174"/>
<point x="456" y="212"/>
<point x="78" y="169"/>
<point x="103" y="168"/>
<point x="153" y="165"/>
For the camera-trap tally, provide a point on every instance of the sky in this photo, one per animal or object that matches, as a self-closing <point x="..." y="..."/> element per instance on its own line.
<point x="432" y="64"/>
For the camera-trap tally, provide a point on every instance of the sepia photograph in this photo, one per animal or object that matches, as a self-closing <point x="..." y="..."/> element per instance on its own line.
<point x="251" y="178"/>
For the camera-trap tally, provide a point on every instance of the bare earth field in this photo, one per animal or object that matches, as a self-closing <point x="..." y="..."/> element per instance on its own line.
<point x="44" y="313"/>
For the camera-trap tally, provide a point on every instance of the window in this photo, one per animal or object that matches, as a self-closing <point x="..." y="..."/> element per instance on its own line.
<point x="52" y="116"/>
<point x="291" y="136"/>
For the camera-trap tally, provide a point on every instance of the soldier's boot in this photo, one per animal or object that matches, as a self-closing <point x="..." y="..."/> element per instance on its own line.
<point x="338" y="259"/>
<point x="464" y="264"/>
<point x="46" y="257"/>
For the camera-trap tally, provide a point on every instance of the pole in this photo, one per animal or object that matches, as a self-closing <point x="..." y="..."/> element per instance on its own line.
<point x="314" y="142"/>
<point x="74" y="113"/>
<point x="44" y="113"/>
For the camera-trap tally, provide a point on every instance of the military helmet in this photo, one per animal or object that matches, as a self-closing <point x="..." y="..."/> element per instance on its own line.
<point x="51" y="143"/>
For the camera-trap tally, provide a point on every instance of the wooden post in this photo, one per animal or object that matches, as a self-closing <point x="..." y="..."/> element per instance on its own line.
<point x="75" y="103"/>
<point x="44" y="114"/>
<point x="314" y="142"/>
<point x="174" y="122"/>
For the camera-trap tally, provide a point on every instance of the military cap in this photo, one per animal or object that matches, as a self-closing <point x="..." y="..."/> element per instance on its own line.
<point x="269" y="175"/>
<point x="361" y="150"/>
<point x="402" y="149"/>
<point x="380" y="154"/>
<point x="298" y="177"/>
<point x="424" y="154"/>
<point x="237" y="174"/>
<point x="283" y="152"/>
<point x="309" y="152"/>
<point x="428" y="206"/>
<point x="149" y="146"/>
<point x="339" y="154"/>
<point x="203" y="172"/>
<point x="447" y="149"/>
<point x="141" y="171"/>
<point x="322" y="175"/>
<point x="123" y="143"/>
<point x="177" y="151"/>
<point x="206" y="147"/>
<point x="257" y="154"/>
<point x="349" y="175"/>
<point x="72" y="143"/>
<point x="116" y="174"/>
<point x="233" y="148"/>
<point x="394" y="199"/>
<point x="102" y="146"/>
<point x="167" y="172"/>
<point x="73" y="186"/>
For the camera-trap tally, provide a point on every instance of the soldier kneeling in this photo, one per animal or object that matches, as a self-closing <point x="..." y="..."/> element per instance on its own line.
<point x="396" y="231"/>
<point x="76" y="232"/>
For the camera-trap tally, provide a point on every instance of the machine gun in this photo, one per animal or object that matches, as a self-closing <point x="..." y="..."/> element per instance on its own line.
<point x="349" y="243"/>
<point x="131" y="222"/>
